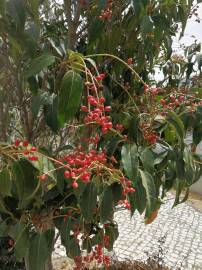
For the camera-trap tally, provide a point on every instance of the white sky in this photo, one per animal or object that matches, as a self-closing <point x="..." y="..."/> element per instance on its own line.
<point x="193" y="32"/>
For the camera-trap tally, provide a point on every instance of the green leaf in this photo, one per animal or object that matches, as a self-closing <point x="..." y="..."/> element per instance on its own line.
<point x="149" y="186"/>
<point x="180" y="166"/>
<point x="16" y="9"/>
<point x="129" y="156"/>
<point x="3" y="228"/>
<point x="197" y="133"/>
<point x="75" y="60"/>
<point x="178" y="125"/>
<point x="74" y="249"/>
<point x="88" y="201"/>
<point x="20" y="234"/>
<point x="106" y="207"/>
<point x="40" y="249"/>
<point x="189" y="167"/>
<point x="147" y="25"/>
<point x="3" y="208"/>
<point x="139" y="7"/>
<point x="69" y="96"/>
<point x="44" y="165"/>
<point x="25" y="180"/>
<point x="138" y="199"/>
<point x="179" y="186"/>
<point x="113" y="233"/>
<point x="65" y="230"/>
<point x="41" y="99"/>
<point x="117" y="192"/>
<point x="95" y="29"/>
<point x="5" y="183"/>
<point x="87" y="245"/>
<point x="147" y="158"/>
<point x="39" y="63"/>
<point x="51" y="113"/>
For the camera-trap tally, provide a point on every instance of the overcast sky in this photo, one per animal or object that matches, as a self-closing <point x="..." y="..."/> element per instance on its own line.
<point x="193" y="31"/>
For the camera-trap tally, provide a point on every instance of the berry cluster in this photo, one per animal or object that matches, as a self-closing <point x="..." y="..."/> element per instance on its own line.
<point x="26" y="150"/>
<point x="96" y="255"/>
<point x="80" y="164"/>
<point x="106" y="14"/>
<point x="149" y="135"/>
<point x="152" y="90"/>
<point x="97" y="114"/>
<point x="174" y="101"/>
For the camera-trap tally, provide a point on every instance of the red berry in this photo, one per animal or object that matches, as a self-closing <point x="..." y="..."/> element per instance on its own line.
<point x="33" y="149"/>
<point x="67" y="174"/>
<point x="102" y="100"/>
<point x="132" y="190"/>
<point x="84" y="108"/>
<point x="107" y="108"/>
<point x="172" y="98"/>
<point x="25" y="143"/>
<point x="129" y="61"/>
<point x="163" y="101"/>
<point x="75" y="185"/>
<point x="43" y="177"/>
<point x="100" y="77"/>
<point x="33" y="158"/>
<point x="17" y="142"/>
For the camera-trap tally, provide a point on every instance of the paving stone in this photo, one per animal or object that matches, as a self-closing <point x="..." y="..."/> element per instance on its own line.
<point x="181" y="226"/>
<point x="181" y="229"/>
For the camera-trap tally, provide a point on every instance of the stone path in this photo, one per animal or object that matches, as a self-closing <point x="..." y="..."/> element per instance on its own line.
<point x="180" y="230"/>
<point x="177" y="232"/>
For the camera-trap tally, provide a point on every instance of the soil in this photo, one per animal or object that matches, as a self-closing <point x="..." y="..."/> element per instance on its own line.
<point x="65" y="264"/>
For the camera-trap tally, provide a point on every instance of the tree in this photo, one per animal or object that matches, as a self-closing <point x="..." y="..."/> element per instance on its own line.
<point x="83" y="126"/>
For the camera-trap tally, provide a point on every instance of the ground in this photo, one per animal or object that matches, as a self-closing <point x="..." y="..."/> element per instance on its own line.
<point x="176" y="234"/>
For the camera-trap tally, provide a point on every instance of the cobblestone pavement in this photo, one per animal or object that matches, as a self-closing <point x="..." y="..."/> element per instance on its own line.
<point x="181" y="229"/>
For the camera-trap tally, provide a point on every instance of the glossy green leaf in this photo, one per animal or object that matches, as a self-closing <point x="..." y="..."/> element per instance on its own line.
<point x="88" y="201"/>
<point x="197" y="133"/>
<point x="138" y="199"/>
<point x="69" y="96"/>
<point x="74" y="249"/>
<point x="178" y="125"/>
<point x="25" y="181"/>
<point x="117" y="192"/>
<point x="44" y="165"/>
<point x="5" y="183"/>
<point x="3" y="228"/>
<point x="147" y="158"/>
<point x="106" y="207"/>
<point x="112" y="232"/>
<point x="147" y="24"/>
<point x="51" y="113"/>
<point x="75" y="60"/>
<point x="41" y="99"/>
<point x="40" y="248"/>
<point x="129" y="157"/>
<point x="16" y="9"/>
<point x="38" y="64"/>
<point x="20" y="234"/>
<point x="149" y="186"/>
<point x="189" y="167"/>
